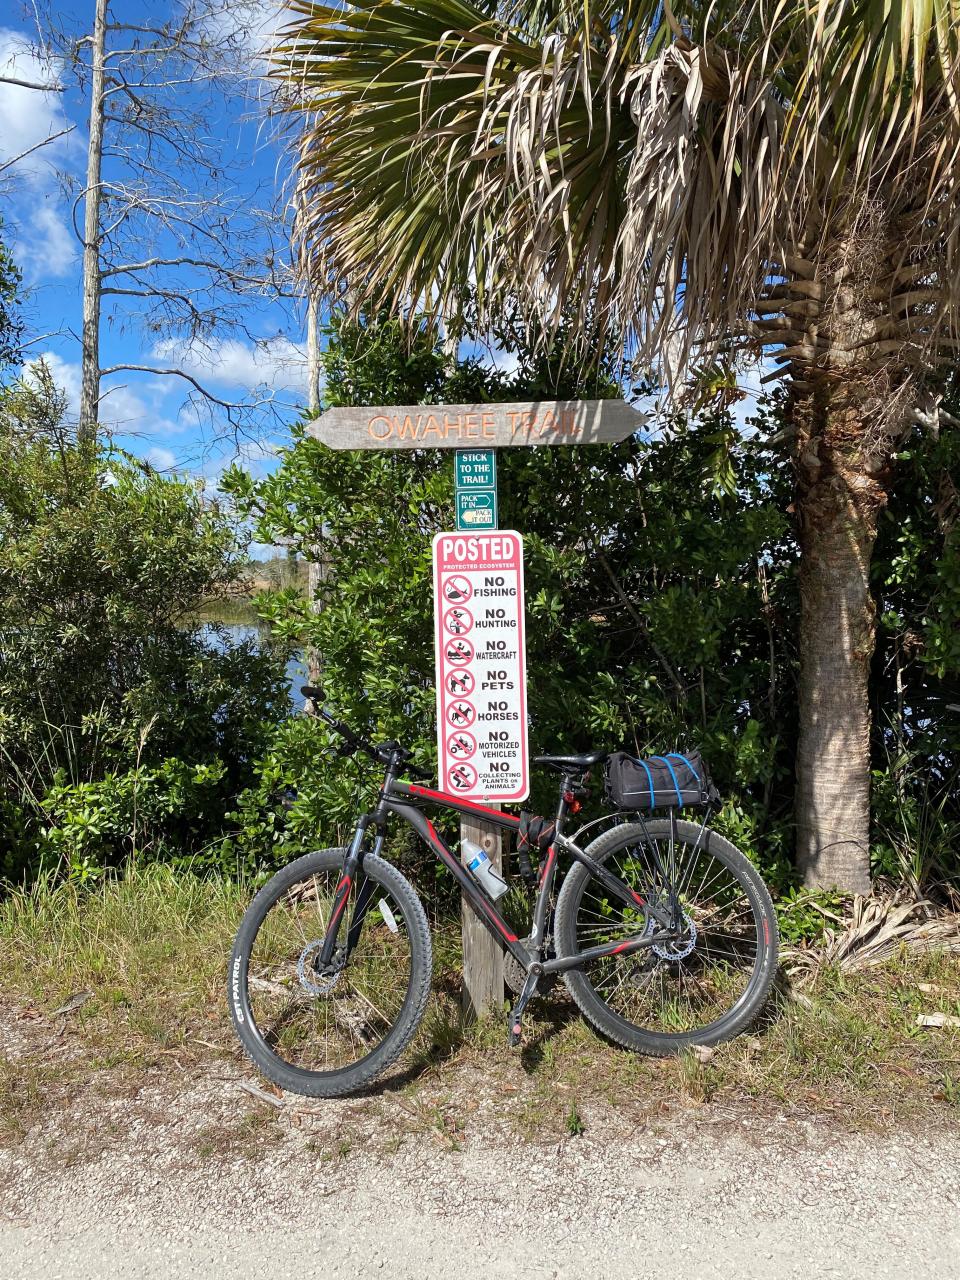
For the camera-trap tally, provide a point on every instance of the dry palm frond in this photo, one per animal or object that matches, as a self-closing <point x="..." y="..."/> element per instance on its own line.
<point x="620" y="165"/>
<point x="878" y="930"/>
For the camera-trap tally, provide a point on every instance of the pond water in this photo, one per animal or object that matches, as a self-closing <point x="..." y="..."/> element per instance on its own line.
<point x="237" y="632"/>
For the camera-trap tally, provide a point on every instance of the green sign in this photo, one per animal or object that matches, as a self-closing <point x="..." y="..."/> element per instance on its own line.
<point x="477" y="510"/>
<point x="476" y="488"/>
<point x="476" y="469"/>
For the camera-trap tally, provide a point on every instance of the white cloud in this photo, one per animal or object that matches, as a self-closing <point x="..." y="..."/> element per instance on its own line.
<point x="276" y="363"/>
<point x="124" y="410"/>
<point x="29" y="116"/>
<point x="248" y="28"/>
<point x="160" y="458"/>
<point x="508" y="362"/>
<point x="46" y="245"/>
<point x="65" y="374"/>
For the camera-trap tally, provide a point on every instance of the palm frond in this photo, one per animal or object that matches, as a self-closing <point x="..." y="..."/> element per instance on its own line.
<point x="639" y="168"/>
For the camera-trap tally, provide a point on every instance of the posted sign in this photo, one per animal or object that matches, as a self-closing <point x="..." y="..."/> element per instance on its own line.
<point x="481" y="665"/>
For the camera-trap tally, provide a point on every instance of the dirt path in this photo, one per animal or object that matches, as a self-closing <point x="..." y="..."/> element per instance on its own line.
<point x="157" y="1187"/>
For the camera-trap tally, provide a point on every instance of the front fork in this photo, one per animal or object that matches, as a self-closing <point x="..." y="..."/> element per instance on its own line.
<point x="352" y="865"/>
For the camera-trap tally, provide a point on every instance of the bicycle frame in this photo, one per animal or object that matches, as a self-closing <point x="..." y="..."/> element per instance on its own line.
<point x="403" y="799"/>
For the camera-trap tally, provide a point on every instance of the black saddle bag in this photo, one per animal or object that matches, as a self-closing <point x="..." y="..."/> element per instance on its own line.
<point x="672" y="781"/>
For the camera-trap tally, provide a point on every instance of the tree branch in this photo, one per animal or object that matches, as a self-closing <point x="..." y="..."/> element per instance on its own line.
<point x="641" y="622"/>
<point x="36" y="147"/>
<point x="173" y="373"/>
<point x="32" y="84"/>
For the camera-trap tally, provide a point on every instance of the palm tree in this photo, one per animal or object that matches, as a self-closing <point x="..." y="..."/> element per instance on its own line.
<point x="774" y="175"/>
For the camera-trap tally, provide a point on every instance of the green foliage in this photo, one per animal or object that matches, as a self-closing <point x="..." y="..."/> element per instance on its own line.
<point x="11" y="326"/>
<point x="916" y="668"/>
<point x="159" y="813"/>
<point x="802" y="914"/>
<point x="104" y="676"/>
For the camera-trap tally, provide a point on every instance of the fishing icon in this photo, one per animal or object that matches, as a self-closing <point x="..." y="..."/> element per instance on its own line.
<point x="457" y="589"/>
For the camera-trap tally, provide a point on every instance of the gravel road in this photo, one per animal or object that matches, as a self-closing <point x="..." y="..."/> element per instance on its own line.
<point x="691" y="1196"/>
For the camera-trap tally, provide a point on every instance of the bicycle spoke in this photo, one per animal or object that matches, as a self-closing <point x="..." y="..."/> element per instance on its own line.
<point x="326" y="1022"/>
<point x="674" y="986"/>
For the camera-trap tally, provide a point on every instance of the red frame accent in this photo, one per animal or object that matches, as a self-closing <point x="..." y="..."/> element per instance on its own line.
<point x="457" y="802"/>
<point x="344" y="885"/>
<point x="476" y="899"/>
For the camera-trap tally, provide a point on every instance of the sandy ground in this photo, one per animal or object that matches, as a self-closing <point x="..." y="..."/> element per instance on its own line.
<point x="211" y="1181"/>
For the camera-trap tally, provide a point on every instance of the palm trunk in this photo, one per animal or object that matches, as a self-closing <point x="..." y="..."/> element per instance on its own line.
<point x="838" y="505"/>
<point x="851" y="399"/>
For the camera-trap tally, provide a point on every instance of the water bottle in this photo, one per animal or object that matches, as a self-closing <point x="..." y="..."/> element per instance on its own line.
<point x="482" y="869"/>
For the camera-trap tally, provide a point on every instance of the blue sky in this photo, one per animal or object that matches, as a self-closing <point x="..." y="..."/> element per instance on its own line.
<point x="259" y="356"/>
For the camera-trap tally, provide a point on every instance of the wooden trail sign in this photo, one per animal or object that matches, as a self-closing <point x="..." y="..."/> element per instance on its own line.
<point x="489" y="426"/>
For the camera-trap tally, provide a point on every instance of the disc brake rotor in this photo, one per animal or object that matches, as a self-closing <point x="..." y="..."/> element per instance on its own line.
<point x="680" y="947"/>
<point x="318" y="982"/>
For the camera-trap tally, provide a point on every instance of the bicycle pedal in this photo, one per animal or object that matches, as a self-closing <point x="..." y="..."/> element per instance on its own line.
<point x="516" y="1032"/>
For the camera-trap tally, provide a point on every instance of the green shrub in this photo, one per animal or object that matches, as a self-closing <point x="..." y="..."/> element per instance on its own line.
<point x="111" y="693"/>
<point x="655" y="600"/>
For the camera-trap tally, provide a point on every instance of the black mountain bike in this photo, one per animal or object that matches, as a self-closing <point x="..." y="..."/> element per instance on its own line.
<point x="663" y="932"/>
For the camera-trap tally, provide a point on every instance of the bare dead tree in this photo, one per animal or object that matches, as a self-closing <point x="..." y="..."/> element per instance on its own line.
<point x="92" y="280"/>
<point x="173" y="243"/>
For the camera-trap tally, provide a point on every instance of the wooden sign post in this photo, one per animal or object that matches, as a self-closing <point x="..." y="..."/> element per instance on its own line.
<point x="476" y="428"/>
<point x="480" y="640"/>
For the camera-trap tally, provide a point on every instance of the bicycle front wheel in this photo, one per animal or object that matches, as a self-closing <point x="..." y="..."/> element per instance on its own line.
<point x="328" y="1033"/>
<point x="704" y="987"/>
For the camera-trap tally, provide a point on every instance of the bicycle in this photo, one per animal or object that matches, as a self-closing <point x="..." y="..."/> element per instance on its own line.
<point x="663" y="932"/>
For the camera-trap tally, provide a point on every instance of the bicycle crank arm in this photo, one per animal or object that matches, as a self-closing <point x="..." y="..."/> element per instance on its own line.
<point x="639" y="943"/>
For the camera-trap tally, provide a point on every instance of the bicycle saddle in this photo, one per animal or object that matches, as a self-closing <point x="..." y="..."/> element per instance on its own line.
<point x="572" y="763"/>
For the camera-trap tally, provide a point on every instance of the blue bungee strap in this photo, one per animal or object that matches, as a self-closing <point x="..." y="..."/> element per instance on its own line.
<point x="676" y="784"/>
<point x="675" y="755"/>
<point x="653" y="803"/>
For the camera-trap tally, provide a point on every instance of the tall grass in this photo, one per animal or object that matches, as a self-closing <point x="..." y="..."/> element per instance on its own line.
<point x="150" y="946"/>
<point x="918" y="820"/>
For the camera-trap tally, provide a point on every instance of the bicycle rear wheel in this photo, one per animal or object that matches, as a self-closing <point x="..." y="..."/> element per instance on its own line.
<point x="705" y="987"/>
<point x="326" y="1034"/>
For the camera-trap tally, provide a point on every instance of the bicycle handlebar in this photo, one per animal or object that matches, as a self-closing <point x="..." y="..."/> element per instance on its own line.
<point x="386" y="753"/>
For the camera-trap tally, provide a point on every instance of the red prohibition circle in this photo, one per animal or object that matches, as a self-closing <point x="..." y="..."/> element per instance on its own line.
<point x="461" y="714"/>
<point x="460" y="683"/>
<point x="458" y="621"/>
<point x="461" y="777"/>
<point x="461" y="745"/>
<point x="457" y="589"/>
<point x="458" y="652"/>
